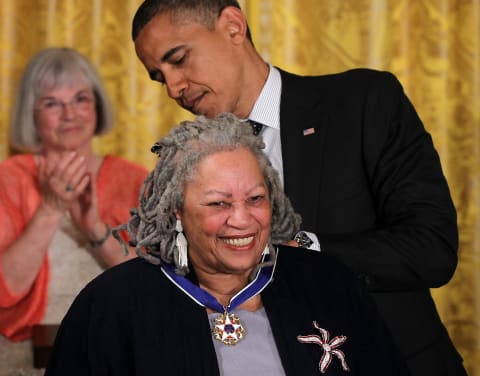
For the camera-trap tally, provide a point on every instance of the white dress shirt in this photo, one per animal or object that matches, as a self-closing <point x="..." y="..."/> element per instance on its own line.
<point x="266" y="111"/>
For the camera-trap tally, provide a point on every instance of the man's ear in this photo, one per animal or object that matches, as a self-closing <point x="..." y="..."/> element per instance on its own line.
<point x="178" y="215"/>
<point x="233" y="22"/>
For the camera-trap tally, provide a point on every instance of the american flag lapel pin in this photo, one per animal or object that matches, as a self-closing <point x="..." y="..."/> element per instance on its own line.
<point x="308" y="131"/>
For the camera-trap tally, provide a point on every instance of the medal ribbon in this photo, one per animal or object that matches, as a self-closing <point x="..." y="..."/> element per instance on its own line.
<point x="204" y="298"/>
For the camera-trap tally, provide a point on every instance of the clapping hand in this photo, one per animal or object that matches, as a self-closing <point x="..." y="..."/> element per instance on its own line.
<point x="62" y="179"/>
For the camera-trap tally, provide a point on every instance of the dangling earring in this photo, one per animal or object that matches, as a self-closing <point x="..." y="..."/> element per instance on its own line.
<point x="266" y="251"/>
<point x="181" y="243"/>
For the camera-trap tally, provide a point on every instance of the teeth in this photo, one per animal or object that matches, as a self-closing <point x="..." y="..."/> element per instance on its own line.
<point x="239" y="241"/>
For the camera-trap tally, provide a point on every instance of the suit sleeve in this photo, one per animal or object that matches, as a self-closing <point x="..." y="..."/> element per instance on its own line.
<point x="413" y="242"/>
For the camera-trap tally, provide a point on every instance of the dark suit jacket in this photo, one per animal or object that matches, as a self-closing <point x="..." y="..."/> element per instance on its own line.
<point x="132" y="320"/>
<point x="369" y="183"/>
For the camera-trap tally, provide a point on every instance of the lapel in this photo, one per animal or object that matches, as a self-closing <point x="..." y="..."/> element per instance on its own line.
<point x="290" y="314"/>
<point x="286" y="323"/>
<point x="302" y="107"/>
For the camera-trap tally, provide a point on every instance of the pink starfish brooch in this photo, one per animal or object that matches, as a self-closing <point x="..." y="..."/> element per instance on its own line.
<point x="329" y="347"/>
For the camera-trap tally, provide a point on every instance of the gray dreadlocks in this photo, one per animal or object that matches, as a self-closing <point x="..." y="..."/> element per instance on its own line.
<point x="152" y="225"/>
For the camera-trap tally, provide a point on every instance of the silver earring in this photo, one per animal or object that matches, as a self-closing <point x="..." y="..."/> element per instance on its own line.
<point x="182" y="244"/>
<point x="266" y="251"/>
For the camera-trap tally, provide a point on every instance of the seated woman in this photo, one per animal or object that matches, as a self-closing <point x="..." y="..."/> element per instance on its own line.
<point x="58" y="199"/>
<point x="218" y="295"/>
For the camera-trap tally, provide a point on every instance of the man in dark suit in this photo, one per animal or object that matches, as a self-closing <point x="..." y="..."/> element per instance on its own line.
<point x="355" y="160"/>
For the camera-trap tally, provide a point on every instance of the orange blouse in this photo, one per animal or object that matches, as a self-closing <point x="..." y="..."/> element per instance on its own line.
<point x="118" y="187"/>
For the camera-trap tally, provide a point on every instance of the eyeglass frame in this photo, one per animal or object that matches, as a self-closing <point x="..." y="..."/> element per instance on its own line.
<point x="58" y="106"/>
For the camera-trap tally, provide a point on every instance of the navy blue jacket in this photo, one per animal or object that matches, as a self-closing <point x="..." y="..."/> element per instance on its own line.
<point x="132" y="320"/>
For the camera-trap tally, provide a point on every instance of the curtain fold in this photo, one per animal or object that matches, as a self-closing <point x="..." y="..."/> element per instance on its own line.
<point x="433" y="46"/>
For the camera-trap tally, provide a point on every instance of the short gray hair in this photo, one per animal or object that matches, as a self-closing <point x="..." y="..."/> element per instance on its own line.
<point x="152" y="224"/>
<point x="51" y="68"/>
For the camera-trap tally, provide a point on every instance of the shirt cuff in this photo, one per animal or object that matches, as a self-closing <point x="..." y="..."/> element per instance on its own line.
<point x="314" y="244"/>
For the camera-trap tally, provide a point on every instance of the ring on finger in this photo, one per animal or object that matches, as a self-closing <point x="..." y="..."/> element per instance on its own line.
<point x="68" y="188"/>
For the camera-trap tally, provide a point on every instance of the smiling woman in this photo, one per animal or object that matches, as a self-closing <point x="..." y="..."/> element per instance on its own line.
<point x="214" y="292"/>
<point x="66" y="124"/>
<point x="226" y="216"/>
<point x="58" y="199"/>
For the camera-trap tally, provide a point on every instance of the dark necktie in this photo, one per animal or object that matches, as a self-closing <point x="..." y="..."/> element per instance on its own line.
<point x="256" y="127"/>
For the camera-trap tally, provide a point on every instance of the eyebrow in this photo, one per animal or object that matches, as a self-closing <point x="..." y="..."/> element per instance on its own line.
<point x="228" y="195"/>
<point x="214" y="192"/>
<point x="81" y="91"/>
<point x="154" y="73"/>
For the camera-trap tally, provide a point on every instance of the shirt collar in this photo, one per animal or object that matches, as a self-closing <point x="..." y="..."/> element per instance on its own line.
<point x="267" y="107"/>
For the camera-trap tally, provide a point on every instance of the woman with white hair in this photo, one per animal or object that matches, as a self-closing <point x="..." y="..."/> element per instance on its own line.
<point x="58" y="199"/>
<point x="213" y="291"/>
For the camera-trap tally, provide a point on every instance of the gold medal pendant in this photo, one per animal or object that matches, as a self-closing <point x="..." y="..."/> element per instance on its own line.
<point x="228" y="329"/>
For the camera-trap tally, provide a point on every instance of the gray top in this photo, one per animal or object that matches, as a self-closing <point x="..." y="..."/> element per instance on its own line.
<point x="255" y="354"/>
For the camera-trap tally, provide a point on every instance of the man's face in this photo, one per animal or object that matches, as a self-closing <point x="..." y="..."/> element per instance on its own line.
<point x="200" y="67"/>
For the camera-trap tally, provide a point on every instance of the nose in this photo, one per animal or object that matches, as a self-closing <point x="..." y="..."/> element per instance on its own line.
<point x="240" y="217"/>
<point x="68" y="109"/>
<point x="175" y="83"/>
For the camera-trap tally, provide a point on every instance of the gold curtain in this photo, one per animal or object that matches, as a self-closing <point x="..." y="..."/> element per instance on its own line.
<point x="433" y="46"/>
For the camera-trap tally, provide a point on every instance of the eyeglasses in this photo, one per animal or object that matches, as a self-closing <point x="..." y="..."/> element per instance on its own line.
<point x="52" y="106"/>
